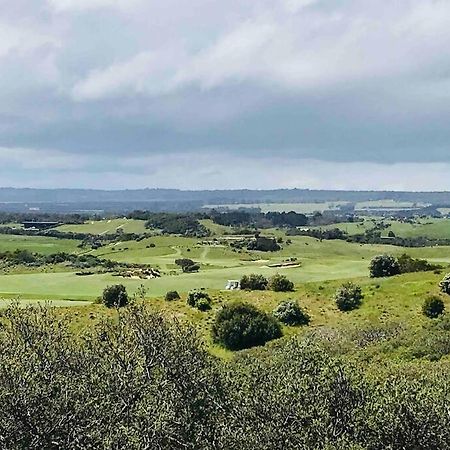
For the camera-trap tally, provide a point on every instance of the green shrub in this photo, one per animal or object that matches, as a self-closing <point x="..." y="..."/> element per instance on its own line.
<point x="348" y="297"/>
<point x="115" y="296"/>
<point x="290" y="313"/>
<point x="254" y="282"/>
<point x="172" y="295"/>
<point x="445" y="284"/>
<point x="199" y="299"/>
<point x="384" y="266"/>
<point x="279" y="283"/>
<point x="240" y="325"/>
<point x="433" y="307"/>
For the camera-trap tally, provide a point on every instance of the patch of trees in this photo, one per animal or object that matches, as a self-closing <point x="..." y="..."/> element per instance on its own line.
<point x="187" y="265"/>
<point x="141" y="381"/>
<point x="257" y="219"/>
<point x="258" y="282"/>
<point x="388" y="265"/>
<point x="263" y="244"/>
<point x="187" y="224"/>
<point x="86" y="238"/>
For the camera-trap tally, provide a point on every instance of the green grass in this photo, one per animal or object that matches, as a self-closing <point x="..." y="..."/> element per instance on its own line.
<point x="38" y="244"/>
<point x="106" y="226"/>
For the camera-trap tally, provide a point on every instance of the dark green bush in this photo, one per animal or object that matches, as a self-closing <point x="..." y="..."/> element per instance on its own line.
<point x="254" y="282"/>
<point x="279" y="283"/>
<point x="348" y="297"/>
<point x="172" y="295"/>
<point x="199" y="299"/>
<point x="290" y="313"/>
<point x="384" y="266"/>
<point x="240" y="325"/>
<point x="115" y="296"/>
<point x="433" y="307"/>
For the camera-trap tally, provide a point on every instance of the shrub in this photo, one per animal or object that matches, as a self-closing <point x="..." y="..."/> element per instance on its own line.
<point x="187" y="265"/>
<point x="240" y="325"/>
<point x="348" y="297"/>
<point x="172" y="295"/>
<point x="115" y="296"/>
<point x="445" y="284"/>
<point x="384" y="266"/>
<point x="279" y="283"/>
<point x="408" y="264"/>
<point x="254" y="282"/>
<point x="433" y="307"/>
<point x="290" y="313"/>
<point x="199" y="299"/>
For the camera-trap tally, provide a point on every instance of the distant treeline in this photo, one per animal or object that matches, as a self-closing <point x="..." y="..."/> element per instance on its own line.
<point x="161" y="196"/>
<point x="369" y="237"/>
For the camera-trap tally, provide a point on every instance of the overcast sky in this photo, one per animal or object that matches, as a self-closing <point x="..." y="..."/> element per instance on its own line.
<point x="344" y="94"/>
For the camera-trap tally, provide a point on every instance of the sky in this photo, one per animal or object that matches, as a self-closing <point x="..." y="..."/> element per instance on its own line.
<point x="209" y="94"/>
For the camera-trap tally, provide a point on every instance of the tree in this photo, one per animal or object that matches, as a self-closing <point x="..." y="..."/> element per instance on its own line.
<point x="172" y="295"/>
<point x="290" y="313"/>
<point x="115" y="296"/>
<point x="384" y="266"/>
<point x="279" y="283"/>
<point x="199" y="299"/>
<point x="433" y="306"/>
<point x="254" y="282"/>
<point x="348" y="297"/>
<point x="240" y="325"/>
<point x="445" y="284"/>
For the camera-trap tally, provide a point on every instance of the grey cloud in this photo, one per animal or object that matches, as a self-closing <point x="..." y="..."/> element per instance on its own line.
<point x="295" y="79"/>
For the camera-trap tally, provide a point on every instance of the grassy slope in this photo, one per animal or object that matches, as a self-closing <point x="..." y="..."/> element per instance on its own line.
<point x="106" y="226"/>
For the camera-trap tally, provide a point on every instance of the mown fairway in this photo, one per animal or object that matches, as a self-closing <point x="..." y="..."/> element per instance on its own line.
<point x="317" y="261"/>
<point x="106" y="226"/>
<point x="38" y="244"/>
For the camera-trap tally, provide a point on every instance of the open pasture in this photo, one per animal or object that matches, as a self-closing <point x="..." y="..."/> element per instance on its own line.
<point x="106" y="226"/>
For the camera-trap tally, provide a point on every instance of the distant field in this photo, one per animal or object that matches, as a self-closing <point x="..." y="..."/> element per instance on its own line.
<point x="320" y="261"/>
<point x="38" y="244"/>
<point x="106" y="226"/>
<point x="431" y="228"/>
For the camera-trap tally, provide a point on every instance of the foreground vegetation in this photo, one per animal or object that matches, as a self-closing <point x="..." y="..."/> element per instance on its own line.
<point x="141" y="381"/>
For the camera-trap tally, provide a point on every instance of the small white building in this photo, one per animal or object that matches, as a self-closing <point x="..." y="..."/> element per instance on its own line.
<point x="233" y="285"/>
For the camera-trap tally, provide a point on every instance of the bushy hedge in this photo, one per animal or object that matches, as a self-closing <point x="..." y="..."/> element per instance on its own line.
<point x="199" y="299"/>
<point x="171" y="296"/>
<point x="384" y="266"/>
<point x="240" y="325"/>
<point x="348" y="297"/>
<point x="433" y="306"/>
<point x="290" y="313"/>
<point x="115" y="296"/>
<point x="254" y="282"/>
<point x="143" y="382"/>
<point x="279" y="283"/>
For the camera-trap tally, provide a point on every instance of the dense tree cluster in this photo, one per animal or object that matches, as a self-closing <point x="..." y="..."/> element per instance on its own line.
<point x="384" y="266"/>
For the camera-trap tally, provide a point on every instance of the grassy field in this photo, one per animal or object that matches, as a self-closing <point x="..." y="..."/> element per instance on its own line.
<point x="318" y="261"/>
<point x="38" y="244"/>
<point x="106" y="226"/>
